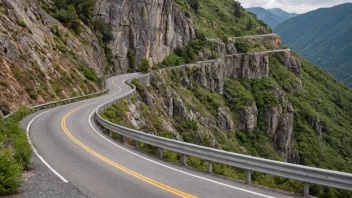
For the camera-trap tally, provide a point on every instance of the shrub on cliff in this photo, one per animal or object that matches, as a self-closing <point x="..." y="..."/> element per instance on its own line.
<point x="144" y="66"/>
<point x="194" y="4"/>
<point x="131" y="60"/>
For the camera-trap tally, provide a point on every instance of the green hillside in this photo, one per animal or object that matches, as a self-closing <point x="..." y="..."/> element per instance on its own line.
<point x="222" y="18"/>
<point x="323" y="37"/>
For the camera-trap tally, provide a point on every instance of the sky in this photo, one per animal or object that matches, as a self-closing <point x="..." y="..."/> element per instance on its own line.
<point x="296" y="6"/>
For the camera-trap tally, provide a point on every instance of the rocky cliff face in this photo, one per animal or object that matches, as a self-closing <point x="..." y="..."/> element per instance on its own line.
<point x="248" y="118"/>
<point x="278" y="122"/>
<point x="39" y="58"/>
<point x="247" y="66"/>
<point x="293" y="63"/>
<point x="152" y="29"/>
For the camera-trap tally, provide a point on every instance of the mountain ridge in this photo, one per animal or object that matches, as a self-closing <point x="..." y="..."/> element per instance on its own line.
<point x="273" y="16"/>
<point x="324" y="38"/>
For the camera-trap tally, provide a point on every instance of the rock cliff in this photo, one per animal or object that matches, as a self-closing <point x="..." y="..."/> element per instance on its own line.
<point x="40" y="60"/>
<point x="247" y="66"/>
<point x="152" y="29"/>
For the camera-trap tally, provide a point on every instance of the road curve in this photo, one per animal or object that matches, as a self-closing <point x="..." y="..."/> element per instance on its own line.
<point x="68" y="140"/>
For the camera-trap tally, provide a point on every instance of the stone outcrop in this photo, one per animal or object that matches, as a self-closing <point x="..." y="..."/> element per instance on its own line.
<point x="247" y="66"/>
<point x="230" y="47"/>
<point x="33" y="64"/>
<point x="179" y="108"/>
<point x="284" y="134"/>
<point x="278" y="122"/>
<point x="272" y="118"/>
<point x="210" y="75"/>
<point x="152" y="29"/>
<point x="8" y="48"/>
<point x="248" y="118"/>
<point x="293" y="64"/>
<point x="147" y="97"/>
<point x="225" y="120"/>
<point x="315" y="123"/>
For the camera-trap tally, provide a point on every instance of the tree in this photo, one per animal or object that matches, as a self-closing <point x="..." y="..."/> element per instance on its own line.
<point x="72" y="19"/>
<point x="84" y="9"/>
<point x="250" y="25"/>
<point x="194" y="4"/>
<point x="237" y="9"/>
<point x="144" y="66"/>
<point x="131" y="59"/>
<point x="104" y="28"/>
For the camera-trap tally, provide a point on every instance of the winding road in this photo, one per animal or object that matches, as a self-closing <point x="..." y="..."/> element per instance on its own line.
<point x="68" y="141"/>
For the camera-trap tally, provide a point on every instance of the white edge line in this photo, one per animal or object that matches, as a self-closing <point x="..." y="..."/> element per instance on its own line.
<point x="36" y="152"/>
<point x="189" y="174"/>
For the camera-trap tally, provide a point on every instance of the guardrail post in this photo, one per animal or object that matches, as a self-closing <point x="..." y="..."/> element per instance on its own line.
<point x="123" y="139"/>
<point x="306" y="190"/>
<point x="210" y="167"/>
<point x="160" y="153"/>
<point x="183" y="159"/>
<point x="137" y="145"/>
<point x="110" y="133"/>
<point x="248" y="177"/>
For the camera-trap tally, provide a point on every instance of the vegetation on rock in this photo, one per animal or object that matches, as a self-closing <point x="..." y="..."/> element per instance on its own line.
<point x="217" y="19"/>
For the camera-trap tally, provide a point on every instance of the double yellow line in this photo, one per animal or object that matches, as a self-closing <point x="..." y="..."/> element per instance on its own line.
<point x="114" y="164"/>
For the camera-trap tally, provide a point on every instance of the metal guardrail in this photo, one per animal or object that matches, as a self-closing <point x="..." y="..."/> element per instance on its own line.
<point x="305" y="174"/>
<point x="61" y="102"/>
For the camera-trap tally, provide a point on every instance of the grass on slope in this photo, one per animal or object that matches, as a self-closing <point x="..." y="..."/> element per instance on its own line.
<point x="217" y="19"/>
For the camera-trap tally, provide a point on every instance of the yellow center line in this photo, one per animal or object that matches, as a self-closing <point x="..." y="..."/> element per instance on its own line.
<point x="114" y="164"/>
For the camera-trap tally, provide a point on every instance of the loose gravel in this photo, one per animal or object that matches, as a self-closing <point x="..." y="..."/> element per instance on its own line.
<point x="40" y="182"/>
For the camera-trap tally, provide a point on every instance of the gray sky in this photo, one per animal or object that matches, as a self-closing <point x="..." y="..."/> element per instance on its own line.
<point x="297" y="6"/>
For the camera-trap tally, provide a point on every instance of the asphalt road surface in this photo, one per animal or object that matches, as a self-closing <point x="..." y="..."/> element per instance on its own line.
<point x="72" y="147"/>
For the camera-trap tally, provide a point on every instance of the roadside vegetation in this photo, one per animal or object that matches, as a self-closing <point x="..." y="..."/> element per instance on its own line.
<point x="15" y="152"/>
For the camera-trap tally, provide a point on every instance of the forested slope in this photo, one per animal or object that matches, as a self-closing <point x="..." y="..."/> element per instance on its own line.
<point x="323" y="37"/>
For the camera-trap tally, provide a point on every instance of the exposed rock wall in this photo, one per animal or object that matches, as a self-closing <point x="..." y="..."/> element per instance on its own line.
<point x="248" y="118"/>
<point x="209" y="74"/>
<point x="284" y="134"/>
<point x="33" y="65"/>
<point x="247" y="66"/>
<point x="278" y="122"/>
<point x="292" y="63"/>
<point x="225" y="121"/>
<point x="150" y="28"/>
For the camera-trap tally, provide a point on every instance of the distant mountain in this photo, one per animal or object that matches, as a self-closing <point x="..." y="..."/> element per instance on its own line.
<point x="272" y="17"/>
<point x="282" y="14"/>
<point x="324" y="37"/>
